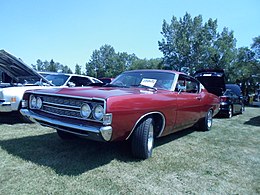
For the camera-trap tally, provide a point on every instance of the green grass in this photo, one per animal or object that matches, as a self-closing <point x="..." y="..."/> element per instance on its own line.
<point x="225" y="160"/>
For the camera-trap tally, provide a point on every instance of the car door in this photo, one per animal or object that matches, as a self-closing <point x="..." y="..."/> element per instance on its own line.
<point x="189" y="103"/>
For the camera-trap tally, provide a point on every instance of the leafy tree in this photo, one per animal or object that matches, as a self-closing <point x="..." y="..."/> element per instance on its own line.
<point x="38" y="66"/>
<point x="256" y="47"/>
<point x="124" y="62"/>
<point x="101" y="62"/>
<point x="190" y="44"/>
<point x="105" y="62"/>
<point x="146" y="64"/>
<point x="245" y="70"/>
<point x="225" y="50"/>
<point x="77" y="69"/>
<point x="66" y="69"/>
<point x="51" y="66"/>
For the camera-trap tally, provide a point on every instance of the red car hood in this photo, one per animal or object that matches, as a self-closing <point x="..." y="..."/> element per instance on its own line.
<point x="97" y="92"/>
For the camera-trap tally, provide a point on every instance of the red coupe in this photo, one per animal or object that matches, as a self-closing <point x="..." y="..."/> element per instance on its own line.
<point x="138" y="105"/>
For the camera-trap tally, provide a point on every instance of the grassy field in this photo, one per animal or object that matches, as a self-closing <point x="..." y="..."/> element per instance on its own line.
<point x="225" y="160"/>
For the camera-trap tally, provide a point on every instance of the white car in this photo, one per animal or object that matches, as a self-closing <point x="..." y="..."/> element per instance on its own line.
<point x="16" y="77"/>
<point x="70" y="80"/>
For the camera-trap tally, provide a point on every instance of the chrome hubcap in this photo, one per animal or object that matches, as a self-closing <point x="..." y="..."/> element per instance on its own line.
<point x="230" y="112"/>
<point x="150" y="138"/>
<point x="210" y="119"/>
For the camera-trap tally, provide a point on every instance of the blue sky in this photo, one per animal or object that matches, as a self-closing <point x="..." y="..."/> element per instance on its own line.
<point x="68" y="31"/>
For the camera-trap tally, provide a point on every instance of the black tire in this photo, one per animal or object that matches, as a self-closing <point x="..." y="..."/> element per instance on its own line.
<point x="143" y="139"/>
<point x="64" y="135"/>
<point x="205" y="123"/>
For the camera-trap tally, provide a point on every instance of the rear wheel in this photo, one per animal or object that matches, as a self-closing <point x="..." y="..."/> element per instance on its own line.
<point x="205" y="124"/>
<point x="143" y="139"/>
<point x="64" y="135"/>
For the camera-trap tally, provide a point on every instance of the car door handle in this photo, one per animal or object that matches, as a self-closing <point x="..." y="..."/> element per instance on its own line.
<point x="198" y="98"/>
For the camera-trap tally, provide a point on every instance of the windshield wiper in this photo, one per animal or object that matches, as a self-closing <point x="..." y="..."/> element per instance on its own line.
<point x="145" y="86"/>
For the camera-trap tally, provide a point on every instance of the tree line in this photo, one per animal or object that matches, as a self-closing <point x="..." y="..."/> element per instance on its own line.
<point x="187" y="45"/>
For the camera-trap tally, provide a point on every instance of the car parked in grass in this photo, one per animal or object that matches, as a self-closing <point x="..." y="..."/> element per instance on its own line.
<point x="232" y="101"/>
<point x="231" y="98"/>
<point x="70" y="80"/>
<point x="16" y="77"/>
<point x="138" y="105"/>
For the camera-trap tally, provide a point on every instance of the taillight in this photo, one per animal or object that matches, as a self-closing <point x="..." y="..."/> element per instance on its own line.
<point x="223" y="98"/>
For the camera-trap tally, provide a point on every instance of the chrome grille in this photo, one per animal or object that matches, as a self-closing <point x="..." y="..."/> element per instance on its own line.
<point x="62" y="111"/>
<point x="65" y="101"/>
<point x="67" y="106"/>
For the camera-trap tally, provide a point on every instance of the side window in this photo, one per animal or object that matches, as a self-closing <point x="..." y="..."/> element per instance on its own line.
<point x="187" y="84"/>
<point x="80" y="81"/>
<point x="181" y="85"/>
<point x="192" y="86"/>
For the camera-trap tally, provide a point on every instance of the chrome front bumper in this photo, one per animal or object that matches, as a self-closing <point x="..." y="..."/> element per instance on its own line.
<point x="90" y="132"/>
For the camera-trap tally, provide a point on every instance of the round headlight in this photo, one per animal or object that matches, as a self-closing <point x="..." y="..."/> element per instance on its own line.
<point x="98" y="112"/>
<point x="38" y="103"/>
<point x="85" y="110"/>
<point x="33" y="102"/>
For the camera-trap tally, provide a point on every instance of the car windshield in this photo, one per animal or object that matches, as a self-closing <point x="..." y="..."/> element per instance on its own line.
<point x="57" y="80"/>
<point x="150" y="79"/>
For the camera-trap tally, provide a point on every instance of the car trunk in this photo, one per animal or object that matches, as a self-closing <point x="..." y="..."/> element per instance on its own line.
<point x="213" y="80"/>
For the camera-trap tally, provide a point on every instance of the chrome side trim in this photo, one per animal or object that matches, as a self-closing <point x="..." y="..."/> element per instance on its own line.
<point x="149" y="113"/>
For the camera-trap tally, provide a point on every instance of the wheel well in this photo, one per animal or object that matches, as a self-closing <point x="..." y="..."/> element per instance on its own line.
<point x="158" y="119"/>
<point x="159" y="123"/>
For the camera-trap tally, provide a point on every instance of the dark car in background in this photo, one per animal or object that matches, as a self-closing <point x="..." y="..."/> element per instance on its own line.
<point x="231" y="98"/>
<point x="232" y="101"/>
<point x="71" y="80"/>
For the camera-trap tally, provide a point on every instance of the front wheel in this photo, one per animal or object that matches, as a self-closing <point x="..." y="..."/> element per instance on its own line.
<point x="143" y="139"/>
<point x="205" y="123"/>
